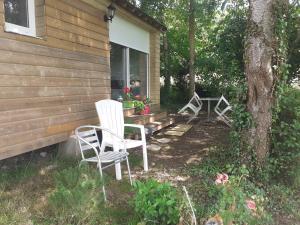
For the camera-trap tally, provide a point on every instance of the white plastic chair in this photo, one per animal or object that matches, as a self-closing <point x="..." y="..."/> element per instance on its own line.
<point x="223" y="108"/>
<point x="195" y="104"/>
<point x="111" y="117"/>
<point x="88" y="141"/>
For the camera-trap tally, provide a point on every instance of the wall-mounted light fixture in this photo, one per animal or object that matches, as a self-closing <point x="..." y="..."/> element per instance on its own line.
<point x="111" y="9"/>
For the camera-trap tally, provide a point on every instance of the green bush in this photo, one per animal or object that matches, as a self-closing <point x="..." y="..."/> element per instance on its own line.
<point x="156" y="203"/>
<point x="285" y="154"/>
<point x="234" y="194"/>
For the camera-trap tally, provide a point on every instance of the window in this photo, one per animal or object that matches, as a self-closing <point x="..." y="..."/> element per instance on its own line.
<point x="20" y="16"/>
<point x="118" y="70"/>
<point x="129" y="68"/>
<point x="138" y="72"/>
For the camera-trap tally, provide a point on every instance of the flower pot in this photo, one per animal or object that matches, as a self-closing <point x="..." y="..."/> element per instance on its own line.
<point x="147" y="109"/>
<point x="128" y="104"/>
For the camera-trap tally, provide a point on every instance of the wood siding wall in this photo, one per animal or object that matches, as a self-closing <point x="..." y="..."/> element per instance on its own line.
<point x="48" y="86"/>
<point x="155" y="67"/>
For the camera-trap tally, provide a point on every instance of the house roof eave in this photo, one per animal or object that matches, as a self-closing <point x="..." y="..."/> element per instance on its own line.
<point x="140" y="14"/>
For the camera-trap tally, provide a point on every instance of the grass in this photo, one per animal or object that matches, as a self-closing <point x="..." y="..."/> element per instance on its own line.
<point x="61" y="192"/>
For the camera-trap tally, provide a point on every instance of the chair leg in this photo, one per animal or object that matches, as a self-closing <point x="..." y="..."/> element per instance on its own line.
<point x="102" y="179"/>
<point x="145" y="157"/>
<point x="103" y="146"/>
<point x="191" y="118"/>
<point x="117" y="165"/>
<point x="129" y="173"/>
<point x="183" y="109"/>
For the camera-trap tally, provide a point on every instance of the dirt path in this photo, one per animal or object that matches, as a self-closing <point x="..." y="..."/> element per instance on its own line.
<point x="165" y="164"/>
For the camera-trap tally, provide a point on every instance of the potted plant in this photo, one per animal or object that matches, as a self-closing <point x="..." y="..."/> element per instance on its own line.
<point x="139" y="107"/>
<point x="147" y="102"/>
<point x="127" y="98"/>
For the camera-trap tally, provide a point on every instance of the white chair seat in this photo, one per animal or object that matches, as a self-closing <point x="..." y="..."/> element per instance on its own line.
<point x="107" y="157"/>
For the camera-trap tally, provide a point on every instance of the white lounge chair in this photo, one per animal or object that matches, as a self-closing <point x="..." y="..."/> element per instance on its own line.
<point x="88" y="141"/>
<point x="195" y="105"/>
<point x="223" y="108"/>
<point x="111" y="117"/>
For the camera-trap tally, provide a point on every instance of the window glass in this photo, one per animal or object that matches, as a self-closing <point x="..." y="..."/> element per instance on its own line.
<point x="16" y="12"/>
<point x="138" y="72"/>
<point x="118" y="70"/>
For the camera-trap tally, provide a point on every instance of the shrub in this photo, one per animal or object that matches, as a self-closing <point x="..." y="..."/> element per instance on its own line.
<point x="285" y="154"/>
<point x="239" y="200"/>
<point x="156" y="203"/>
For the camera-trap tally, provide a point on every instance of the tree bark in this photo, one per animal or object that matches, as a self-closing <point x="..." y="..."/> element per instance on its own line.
<point x="192" y="46"/>
<point x="259" y="51"/>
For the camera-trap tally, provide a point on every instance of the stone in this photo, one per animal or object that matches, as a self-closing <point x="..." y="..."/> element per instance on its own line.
<point x="163" y="140"/>
<point x="69" y="148"/>
<point x="4" y="167"/>
<point x="43" y="154"/>
<point x="153" y="147"/>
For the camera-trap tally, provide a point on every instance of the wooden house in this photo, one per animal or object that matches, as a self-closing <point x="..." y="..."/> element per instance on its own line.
<point x="58" y="57"/>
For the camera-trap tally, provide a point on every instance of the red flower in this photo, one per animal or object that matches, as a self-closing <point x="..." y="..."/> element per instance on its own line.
<point x="126" y="90"/>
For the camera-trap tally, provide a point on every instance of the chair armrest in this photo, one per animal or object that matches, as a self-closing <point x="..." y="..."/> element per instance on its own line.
<point x="102" y="129"/>
<point x="134" y="125"/>
<point x="89" y="144"/>
<point x="99" y="128"/>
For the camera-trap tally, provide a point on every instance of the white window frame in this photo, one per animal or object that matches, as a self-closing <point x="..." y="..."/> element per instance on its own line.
<point x="30" y="30"/>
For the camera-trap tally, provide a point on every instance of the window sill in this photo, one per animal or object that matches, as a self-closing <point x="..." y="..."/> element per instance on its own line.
<point x="26" y="35"/>
<point x="15" y="29"/>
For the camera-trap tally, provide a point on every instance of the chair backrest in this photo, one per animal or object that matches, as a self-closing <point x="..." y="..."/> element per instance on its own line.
<point x="110" y="113"/>
<point x="87" y="134"/>
<point x="195" y="102"/>
<point x="222" y="106"/>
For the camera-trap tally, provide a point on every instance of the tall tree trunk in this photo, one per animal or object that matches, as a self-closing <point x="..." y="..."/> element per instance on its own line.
<point x="259" y="51"/>
<point x="192" y="46"/>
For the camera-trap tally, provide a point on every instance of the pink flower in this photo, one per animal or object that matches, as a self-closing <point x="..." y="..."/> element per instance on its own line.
<point x="251" y="204"/>
<point x="222" y="178"/>
<point x="225" y="178"/>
